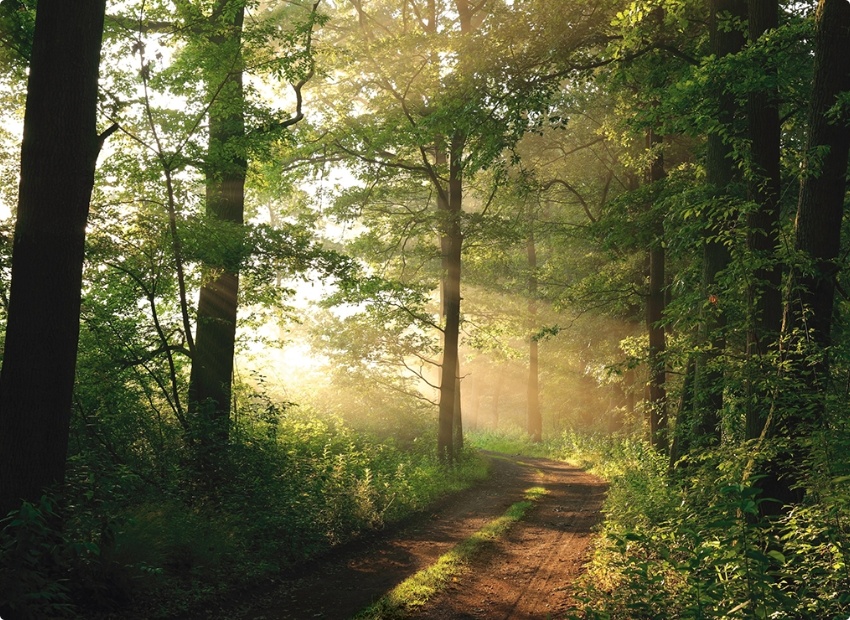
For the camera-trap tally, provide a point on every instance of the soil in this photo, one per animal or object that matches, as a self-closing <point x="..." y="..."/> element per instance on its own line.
<point x="524" y="576"/>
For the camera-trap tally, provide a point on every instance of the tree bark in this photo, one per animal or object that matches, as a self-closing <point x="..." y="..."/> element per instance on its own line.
<point x="655" y="305"/>
<point x="808" y="314"/>
<point x="226" y="169"/>
<point x="764" y="293"/>
<point x="451" y="206"/>
<point x="534" y="417"/>
<point x="681" y="433"/>
<point x="657" y="346"/>
<point x="821" y="204"/>
<point x="58" y="158"/>
<point x="721" y="176"/>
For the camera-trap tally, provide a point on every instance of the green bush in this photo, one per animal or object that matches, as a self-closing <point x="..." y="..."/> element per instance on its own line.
<point x="33" y="554"/>
<point x="291" y="484"/>
<point x="694" y="546"/>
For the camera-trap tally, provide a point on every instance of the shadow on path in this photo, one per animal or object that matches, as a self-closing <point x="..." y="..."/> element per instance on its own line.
<point x="340" y="584"/>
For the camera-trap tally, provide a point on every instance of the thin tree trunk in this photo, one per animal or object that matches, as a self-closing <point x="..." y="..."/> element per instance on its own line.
<point x="58" y="158"/>
<point x="655" y="314"/>
<point x="451" y="241"/>
<point x="682" y="433"/>
<point x="657" y="346"/>
<point x="534" y="418"/>
<point x="497" y="396"/>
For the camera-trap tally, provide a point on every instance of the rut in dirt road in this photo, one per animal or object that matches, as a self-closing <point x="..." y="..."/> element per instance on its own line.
<point x="522" y="576"/>
<point x="527" y="575"/>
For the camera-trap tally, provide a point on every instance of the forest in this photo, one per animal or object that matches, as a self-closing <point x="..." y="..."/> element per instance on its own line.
<point x="277" y="276"/>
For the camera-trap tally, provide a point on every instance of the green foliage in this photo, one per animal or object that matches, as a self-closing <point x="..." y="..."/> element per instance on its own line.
<point x="697" y="548"/>
<point x="32" y="564"/>
<point x="504" y="442"/>
<point x="17" y="24"/>
<point x="293" y="484"/>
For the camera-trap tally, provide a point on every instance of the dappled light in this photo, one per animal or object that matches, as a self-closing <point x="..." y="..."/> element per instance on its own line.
<point x="428" y="309"/>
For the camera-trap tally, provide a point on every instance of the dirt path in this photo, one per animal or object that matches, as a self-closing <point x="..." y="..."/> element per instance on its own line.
<point x="522" y="577"/>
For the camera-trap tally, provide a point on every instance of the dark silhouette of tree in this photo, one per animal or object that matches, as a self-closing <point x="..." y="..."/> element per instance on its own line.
<point x="58" y="156"/>
<point x="765" y="298"/>
<point x="722" y="176"/>
<point x="820" y="209"/>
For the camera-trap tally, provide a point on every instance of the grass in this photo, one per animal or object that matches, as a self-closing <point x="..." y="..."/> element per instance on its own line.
<point x="417" y="590"/>
<point x="511" y="442"/>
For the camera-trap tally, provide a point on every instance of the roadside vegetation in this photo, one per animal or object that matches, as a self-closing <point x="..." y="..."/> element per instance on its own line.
<point x="265" y="264"/>
<point x="692" y="544"/>
<point x="166" y="545"/>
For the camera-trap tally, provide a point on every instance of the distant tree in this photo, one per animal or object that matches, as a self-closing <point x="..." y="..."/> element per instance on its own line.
<point x="656" y="303"/>
<point x="58" y="156"/>
<point x="441" y="89"/>
<point x="534" y="417"/>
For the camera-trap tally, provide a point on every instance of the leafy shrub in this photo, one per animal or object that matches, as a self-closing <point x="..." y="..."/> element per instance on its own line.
<point x="32" y="555"/>
<point x="292" y="483"/>
<point x="697" y="548"/>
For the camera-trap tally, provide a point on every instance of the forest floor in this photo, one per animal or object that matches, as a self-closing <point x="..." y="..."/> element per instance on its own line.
<point x="524" y="575"/>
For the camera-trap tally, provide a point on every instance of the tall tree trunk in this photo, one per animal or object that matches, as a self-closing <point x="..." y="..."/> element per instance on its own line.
<point x="534" y="417"/>
<point x="451" y="241"/>
<point x="58" y="157"/>
<point x="226" y="168"/>
<point x="655" y="312"/>
<point x="764" y="294"/>
<point x="808" y="314"/>
<point x="721" y="176"/>
<point x="821" y="204"/>
<point x="657" y="346"/>
<point x="450" y="428"/>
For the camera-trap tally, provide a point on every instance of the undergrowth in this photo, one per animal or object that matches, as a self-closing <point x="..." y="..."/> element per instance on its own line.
<point x="511" y="442"/>
<point x="290" y="489"/>
<point x="692" y="546"/>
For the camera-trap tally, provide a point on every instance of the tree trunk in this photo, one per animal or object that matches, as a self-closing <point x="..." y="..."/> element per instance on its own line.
<point x="534" y="417"/>
<point x="721" y="176"/>
<point x="655" y="314"/>
<point x="808" y="314"/>
<point x="657" y="346"/>
<point x="451" y="241"/>
<point x="226" y="168"/>
<point x="764" y="294"/>
<point x="497" y="396"/>
<point x="58" y="157"/>
<point x="457" y="419"/>
<point x="821" y="204"/>
<point x="682" y="433"/>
